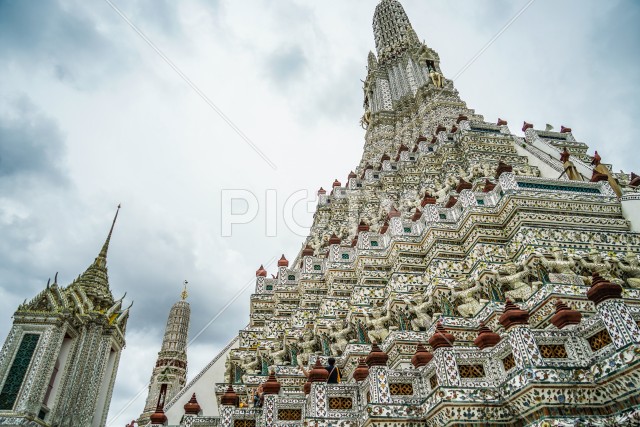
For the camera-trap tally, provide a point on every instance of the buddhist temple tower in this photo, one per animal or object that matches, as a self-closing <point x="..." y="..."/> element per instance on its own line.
<point x="171" y="365"/>
<point x="463" y="274"/>
<point x="59" y="362"/>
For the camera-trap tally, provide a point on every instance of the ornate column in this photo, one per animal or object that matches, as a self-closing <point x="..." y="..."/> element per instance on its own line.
<point x="516" y="324"/>
<point x="446" y="365"/>
<point x="317" y="401"/>
<point x="271" y="389"/>
<point x="228" y="401"/>
<point x="615" y="314"/>
<point x="378" y="375"/>
<point x="191" y="410"/>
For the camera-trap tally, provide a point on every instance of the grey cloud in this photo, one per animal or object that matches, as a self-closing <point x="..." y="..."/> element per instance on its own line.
<point x="61" y="38"/>
<point x="31" y="145"/>
<point x="286" y="65"/>
<point x="340" y="98"/>
<point x="618" y="45"/>
<point x="163" y="14"/>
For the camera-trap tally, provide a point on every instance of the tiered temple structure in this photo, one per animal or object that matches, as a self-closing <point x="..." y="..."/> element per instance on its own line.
<point x="171" y="366"/>
<point x="461" y="275"/>
<point x="59" y="362"/>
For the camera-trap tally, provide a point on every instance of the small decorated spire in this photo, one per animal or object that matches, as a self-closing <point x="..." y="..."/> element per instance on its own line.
<point x="318" y="374"/>
<point x="488" y="186"/>
<point x="486" y="337"/>
<point x="283" y="262"/>
<point x="513" y="315"/>
<point x="192" y="407"/>
<point x="261" y="272"/>
<point x="463" y="185"/>
<point x="372" y="61"/>
<point x="601" y="289"/>
<point x="307" y="251"/>
<point x="441" y="338"/>
<point x="271" y="386"/>
<point x="421" y="357"/>
<point x="502" y="168"/>
<point x="361" y="372"/>
<point x="393" y="213"/>
<point x="376" y="356"/>
<point x="428" y="199"/>
<point x="565" y="315"/>
<point x="229" y="398"/>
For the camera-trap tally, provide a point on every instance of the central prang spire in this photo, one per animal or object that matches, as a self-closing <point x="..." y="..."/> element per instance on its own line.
<point x="392" y="30"/>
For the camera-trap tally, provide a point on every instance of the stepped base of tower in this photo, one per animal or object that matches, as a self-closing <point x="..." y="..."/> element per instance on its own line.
<point x="536" y="375"/>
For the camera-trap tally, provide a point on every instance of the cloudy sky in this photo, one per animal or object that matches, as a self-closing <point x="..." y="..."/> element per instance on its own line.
<point x="94" y="113"/>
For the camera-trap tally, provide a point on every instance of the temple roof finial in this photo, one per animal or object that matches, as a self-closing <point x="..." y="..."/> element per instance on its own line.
<point x="184" y="293"/>
<point x="101" y="260"/>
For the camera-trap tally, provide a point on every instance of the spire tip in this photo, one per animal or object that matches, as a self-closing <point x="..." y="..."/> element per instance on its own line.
<point x="101" y="260"/>
<point x="184" y="293"/>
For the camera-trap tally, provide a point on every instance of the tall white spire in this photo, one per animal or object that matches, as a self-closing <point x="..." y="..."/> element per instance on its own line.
<point x="171" y="366"/>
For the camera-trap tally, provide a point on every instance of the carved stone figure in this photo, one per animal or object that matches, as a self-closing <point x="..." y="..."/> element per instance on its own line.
<point x="308" y="344"/>
<point x="379" y="325"/>
<point x="442" y="192"/>
<point x="420" y="310"/>
<point x="436" y="78"/>
<point x="569" y="168"/>
<point x="558" y="264"/>
<point x="228" y="370"/>
<point x="602" y="170"/>
<point x="250" y="365"/>
<point x="509" y="275"/>
<point x="595" y="263"/>
<point x="469" y="305"/>
<point x="632" y="268"/>
<point x="365" y="120"/>
<point x="340" y="337"/>
<point x="278" y="354"/>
